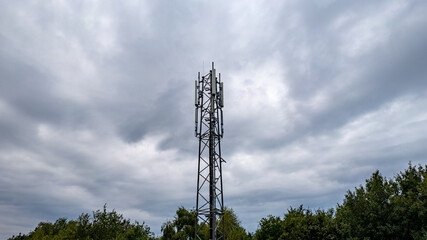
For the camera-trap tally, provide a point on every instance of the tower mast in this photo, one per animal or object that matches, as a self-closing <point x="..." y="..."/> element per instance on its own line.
<point x="209" y="101"/>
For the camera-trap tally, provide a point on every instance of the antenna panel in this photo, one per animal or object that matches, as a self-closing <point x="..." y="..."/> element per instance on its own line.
<point x="221" y="94"/>
<point x="213" y="81"/>
<point x="196" y="94"/>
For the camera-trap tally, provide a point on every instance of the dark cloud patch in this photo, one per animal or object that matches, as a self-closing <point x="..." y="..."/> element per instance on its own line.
<point x="15" y="133"/>
<point x="28" y="91"/>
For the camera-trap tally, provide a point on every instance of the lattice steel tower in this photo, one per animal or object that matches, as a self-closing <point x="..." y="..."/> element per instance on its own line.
<point x="209" y="130"/>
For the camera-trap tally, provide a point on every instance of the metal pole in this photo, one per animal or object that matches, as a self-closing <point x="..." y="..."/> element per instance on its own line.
<point x="200" y="146"/>
<point x="212" y="217"/>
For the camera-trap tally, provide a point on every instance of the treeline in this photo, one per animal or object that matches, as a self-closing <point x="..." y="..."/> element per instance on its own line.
<point x="101" y="225"/>
<point x="381" y="209"/>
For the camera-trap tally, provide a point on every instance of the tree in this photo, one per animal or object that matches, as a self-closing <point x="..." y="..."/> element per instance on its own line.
<point x="83" y="227"/>
<point x="301" y="223"/>
<point x="365" y="213"/>
<point x="269" y="228"/>
<point x="182" y="227"/>
<point x="168" y="230"/>
<point x="185" y="222"/>
<point x="111" y="225"/>
<point x="230" y="225"/>
<point x="104" y="225"/>
<point x="410" y="203"/>
<point x="386" y="209"/>
<point x="108" y="225"/>
<point x="298" y="223"/>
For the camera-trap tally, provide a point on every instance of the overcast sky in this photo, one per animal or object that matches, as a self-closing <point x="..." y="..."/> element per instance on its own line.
<point x="97" y="105"/>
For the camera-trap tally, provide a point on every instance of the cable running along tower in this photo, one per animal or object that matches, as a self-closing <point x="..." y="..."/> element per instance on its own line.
<point x="209" y="101"/>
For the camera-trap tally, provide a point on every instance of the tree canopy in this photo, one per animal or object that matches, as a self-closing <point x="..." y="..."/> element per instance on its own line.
<point x="184" y="223"/>
<point x="382" y="208"/>
<point x="101" y="225"/>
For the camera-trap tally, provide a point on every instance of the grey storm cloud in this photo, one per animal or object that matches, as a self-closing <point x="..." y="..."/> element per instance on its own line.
<point x="96" y="103"/>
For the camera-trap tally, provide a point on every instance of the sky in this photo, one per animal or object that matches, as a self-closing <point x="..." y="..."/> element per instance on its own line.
<point x="97" y="103"/>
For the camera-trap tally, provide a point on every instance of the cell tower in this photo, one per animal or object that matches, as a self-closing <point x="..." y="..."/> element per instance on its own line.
<point x="209" y="101"/>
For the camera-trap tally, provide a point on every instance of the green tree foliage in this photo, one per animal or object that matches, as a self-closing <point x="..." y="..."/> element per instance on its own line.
<point x="102" y="225"/>
<point x="386" y="209"/>
<point x="231" y="225"/>
<point x="270" y="228"/>
<point x="185" y="222"/>
<point x="366" y="212"/>
<point x="381" y="209"/>
<point x="168" y="230"/>
<point x="410" y="203"/>
<point x="298" y="223"/>
<point x="183" y="226"/>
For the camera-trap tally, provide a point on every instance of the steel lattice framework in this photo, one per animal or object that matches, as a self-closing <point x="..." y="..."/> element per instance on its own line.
<point x="209" y="101"/>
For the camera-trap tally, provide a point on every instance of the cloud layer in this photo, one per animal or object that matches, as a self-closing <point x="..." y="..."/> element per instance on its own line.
<point x="96" y="103"/>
